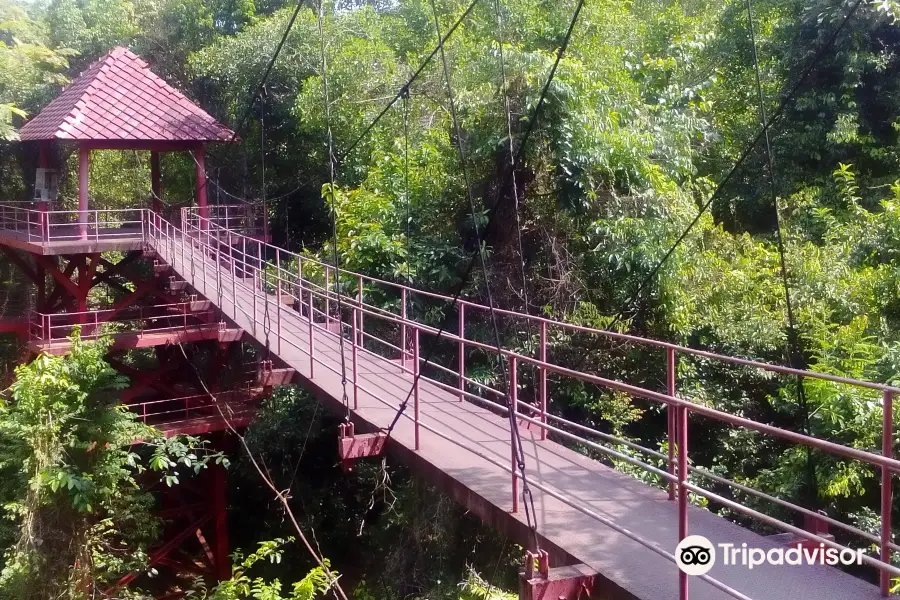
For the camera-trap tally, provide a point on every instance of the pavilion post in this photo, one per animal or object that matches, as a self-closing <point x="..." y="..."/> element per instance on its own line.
<point x="200" y="160"/>
<point x="155" y="181"/>
<point x="84" y="168"/>
<point x="45" y="150"/>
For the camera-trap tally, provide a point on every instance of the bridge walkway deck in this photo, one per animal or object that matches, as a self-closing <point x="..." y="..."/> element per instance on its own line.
<point x="471" y="463"/>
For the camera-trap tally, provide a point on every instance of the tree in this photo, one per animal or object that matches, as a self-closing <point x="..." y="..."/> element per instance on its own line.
<point x="70" y="458"/>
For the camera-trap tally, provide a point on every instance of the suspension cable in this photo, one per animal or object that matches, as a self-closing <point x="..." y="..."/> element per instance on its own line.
<point x="516" y="439"/>
<point x="720" y="188"/>
<point x="536" y="112"/>
<point x="267" y="72"/>
<point x="529" y="326"/>
<point x="405" y="88"/>
<point x="512" y="152"/>
<point x="267" y="317"/>
<point x="406" y="181"/>
<point x="793" y="343"/>
<point x="333" y="194"/>
<point x="535" y="117"/>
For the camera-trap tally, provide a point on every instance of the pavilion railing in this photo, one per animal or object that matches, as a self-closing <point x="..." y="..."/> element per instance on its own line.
<point x="37" y="226"/>
<point x="140" y="320"/>
<point x="305" y="286"/>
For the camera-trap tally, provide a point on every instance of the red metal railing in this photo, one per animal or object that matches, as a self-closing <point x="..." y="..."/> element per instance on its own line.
<point x="247" y="219"/>
<point x="37" y="226"/>
<point x="291" y="282"/>
<point x="141" y="320"/>
<point x="187" y="407"/>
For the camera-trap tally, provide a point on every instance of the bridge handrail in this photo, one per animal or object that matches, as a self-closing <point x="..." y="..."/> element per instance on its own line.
<point x="571" y="326"/>
<point x="257" y="267"/>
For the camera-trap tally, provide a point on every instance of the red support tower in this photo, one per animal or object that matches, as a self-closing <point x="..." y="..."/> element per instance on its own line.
<point x="90" y="268"/>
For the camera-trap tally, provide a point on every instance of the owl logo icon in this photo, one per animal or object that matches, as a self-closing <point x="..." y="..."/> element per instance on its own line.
<point x="695" y="555"/>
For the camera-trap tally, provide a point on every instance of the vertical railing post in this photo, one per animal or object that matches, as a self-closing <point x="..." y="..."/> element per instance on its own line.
<point x="312" y="339"/>
<point x="327" y="301"/>
<point x="218" y="262"/>
<point x="670" y="415"/>
<point x="682" y="427"/>
<point x="300" y="287"/>
<point x="278" y="294"/>
<point x="360" y="342"/>
<point x="462" y="351"/>
<point x="355" y="314"/>
<point x="887" y="450"/>
<point x="403" y="328"/>
<point x="543" y="381"/>
<point x="233" y="262"/>
<point x="415" y="358"/>
<point x="513" y="410"/>
<point x="203" y="254"/>
<point x="253" y="284"/>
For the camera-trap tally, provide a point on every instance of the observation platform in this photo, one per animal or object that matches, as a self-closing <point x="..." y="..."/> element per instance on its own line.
<point x="200" y="414"/>
<point x="58" y="232"/>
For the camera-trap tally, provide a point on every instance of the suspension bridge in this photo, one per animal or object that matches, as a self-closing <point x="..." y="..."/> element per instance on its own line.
<point x="209" y="275"/>
<point x="599" y="525"/>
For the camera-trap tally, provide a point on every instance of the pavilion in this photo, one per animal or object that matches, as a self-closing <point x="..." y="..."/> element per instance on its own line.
<point x="118" y="103"/>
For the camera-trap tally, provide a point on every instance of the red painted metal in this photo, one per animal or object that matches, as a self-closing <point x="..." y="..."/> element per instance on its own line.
<point x="416" y="367"/>
<point x="671" y="367"/>
<point x="543" y="381"/>
<point x="354" y="346"/>
<point x="887" y="450"/>
<point x="269" y="376"/>
<point x="84" y="169"/>
<point x="352" y="447"/>
<point x="558" y="583"/>
<point x="360" y="314"/>
<point x="219" y="512"/>
<point x="327" y="297"/>
<point x="462" y="351"/>
<point x="403" y="327"/>
<point x="682" y="428"/>
<point x="277" y="298"/>
<point x="312" y="337"/>
<point x="513" y="404"/>
<point x="157" y="235"/>
<point x="156" y="555"/>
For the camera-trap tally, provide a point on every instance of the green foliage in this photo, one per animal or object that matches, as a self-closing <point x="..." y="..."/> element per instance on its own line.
<point x="70" y="456"/>
<point x="316" y="583"/>
<point x="651" y="105"/>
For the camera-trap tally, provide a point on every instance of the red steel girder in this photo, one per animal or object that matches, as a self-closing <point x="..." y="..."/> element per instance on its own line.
<point x="162" y="551"/>
<point x="62" y="278"/>
<point x="22" y="264"/>
<point x="115" y="269"/>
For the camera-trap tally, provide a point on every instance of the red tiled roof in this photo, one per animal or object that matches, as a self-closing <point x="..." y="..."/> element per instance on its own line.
<point x="119" y="98"/>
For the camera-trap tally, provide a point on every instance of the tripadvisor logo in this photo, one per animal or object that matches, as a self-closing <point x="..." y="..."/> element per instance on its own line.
<point x="696" y="555"/>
